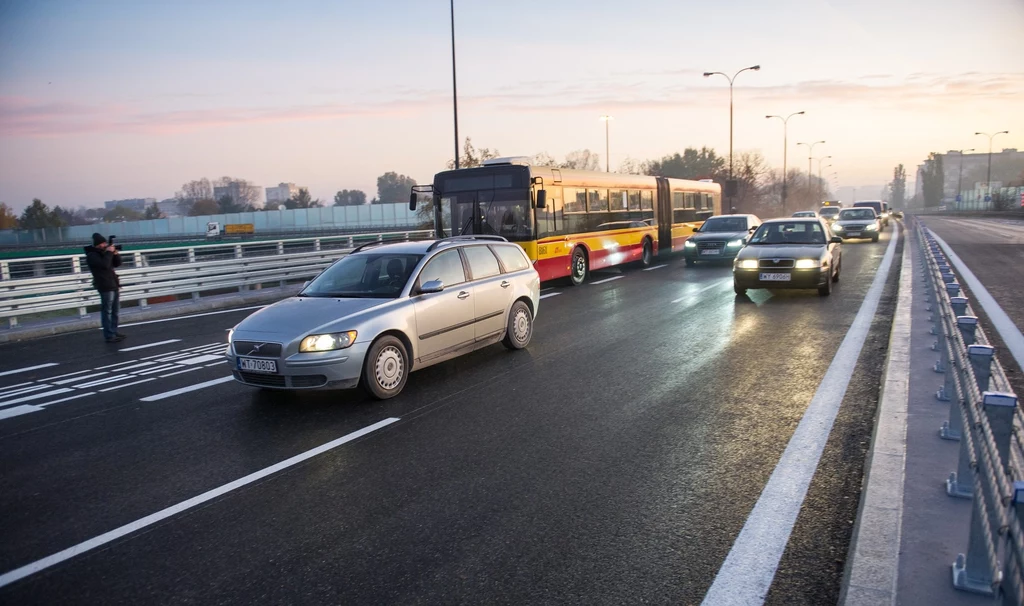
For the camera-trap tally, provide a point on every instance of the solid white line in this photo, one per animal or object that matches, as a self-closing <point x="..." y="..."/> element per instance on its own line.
<point x="550" y="294"/>
<point x="748" y="570"/>
<point x="70" y="374"/>
<point x="36" y="396"/>
<point x="209" y="313"/>
<point x="699" y="291"/>
<point x="24" y="390"/>
<point x="655" y="267"/>
<point x="1003" y="324"/>
<point x="197" y="386"/>
<point x="27" y="368"/>
<point x="102" y="381"/>
<point x="611" y="279"/>
<point x="74" y="397"/>
<point x="17" y="410"/>
<point x="163" y="514"/>
<point x="129" y="384"/>
<point x="72" y="380"/>
<point x="148" y="345"/>
<point x="181" y="372"/>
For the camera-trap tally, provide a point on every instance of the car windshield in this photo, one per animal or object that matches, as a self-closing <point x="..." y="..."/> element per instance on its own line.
<point x="789" y="232"/>
<point x="367" y="275"/>
<point x="723" y="224"/>
<point x="804" y="213"/>
<point x="857" y="214"/>
<point x="829" y="212"/>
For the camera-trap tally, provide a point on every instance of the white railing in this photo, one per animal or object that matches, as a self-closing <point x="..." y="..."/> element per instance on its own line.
<point x="161" y="272"/>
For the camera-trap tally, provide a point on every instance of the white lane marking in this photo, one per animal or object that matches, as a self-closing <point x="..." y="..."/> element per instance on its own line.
<point x="27" y="368"/>
<point x="7" y="413"/>
<point x="548" y="288"/>
<point x="180" y="372"/>
<point x="181" y="356"/>
<point x="116" y="365"/>
<point x="70" y="374"/>
<point x="655" y="267"/>
<point x="209" y="313"/>
<point x="74" y="397"/>
<point x="611" y="279"/>
<point x="103" y="381"/>
<point x="550" y="294"/>
<point x="215" y="363"/>
<point x="129" y="384"/>
<point x="163" y="514"/>
<point x="148" y="345"/>
<point x="161" y="368"/>
<point x="700" y="291"/>
<point x="17" y="385"/>
<point x="66" y="381"/>
<point x="36" y="396"/>
<point x="196" y="387"/>
<point x="1003" y="324"/>
<point x="139" y="365"/>
<point x="23" y="390"/>
<point x="749" y="569"/>
<point x="200" y="359"/>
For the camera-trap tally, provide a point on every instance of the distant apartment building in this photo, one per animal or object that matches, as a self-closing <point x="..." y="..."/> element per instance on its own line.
<point x="961" y="173"/>
<point x="138" y="204"/>
<point x="170" y="207"/>
<point x="282" y="193"/>
<point x="236" y="190"/>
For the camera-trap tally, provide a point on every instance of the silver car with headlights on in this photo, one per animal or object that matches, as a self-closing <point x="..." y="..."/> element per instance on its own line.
<point x="386" y="310"/>
<point x="857" y="223"/>
<point x="789" y="253"/>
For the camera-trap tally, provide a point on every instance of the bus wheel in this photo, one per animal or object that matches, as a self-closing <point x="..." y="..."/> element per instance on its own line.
<point x="579" y="270"/>
<point x="647" y="256"/>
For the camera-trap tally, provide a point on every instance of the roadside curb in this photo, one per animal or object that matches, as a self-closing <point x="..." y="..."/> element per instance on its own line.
<point x="873" y="562"/>
<point x="155" y="312"/>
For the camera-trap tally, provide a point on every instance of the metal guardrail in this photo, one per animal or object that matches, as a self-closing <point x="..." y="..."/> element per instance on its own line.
<point x="160" y="272"/>
<point x="985" y="418"/>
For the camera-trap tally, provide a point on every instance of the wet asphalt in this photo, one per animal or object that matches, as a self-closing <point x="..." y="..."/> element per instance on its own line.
<point x="614" y="461"/>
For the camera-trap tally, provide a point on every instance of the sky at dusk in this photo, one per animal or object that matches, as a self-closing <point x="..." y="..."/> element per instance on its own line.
<point x="105" y="100"/>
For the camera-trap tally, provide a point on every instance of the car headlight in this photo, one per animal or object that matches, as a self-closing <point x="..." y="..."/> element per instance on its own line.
<point x="689" y="244"/>
<point x="748" y="264"/>
<point x="327" y="342"/>
<point x="735" y="243"/>
<point x="837" y="227"/>
<point x="872" y="227"/>
<point x="807" y="263"/>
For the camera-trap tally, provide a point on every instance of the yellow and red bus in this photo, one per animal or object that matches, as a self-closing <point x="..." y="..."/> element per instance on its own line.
<point x="571" y="222"/>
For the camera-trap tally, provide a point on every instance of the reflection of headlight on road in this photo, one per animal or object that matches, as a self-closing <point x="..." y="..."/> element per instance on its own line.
<point x="328" y="342"/>
<point x="807" y="263"/>
<point x="748" y="264"/>
<point x="689" y="244"/>
<point x="872" y="227"/>
<point x="837" y="227"/>
<point x="736" y="243"/>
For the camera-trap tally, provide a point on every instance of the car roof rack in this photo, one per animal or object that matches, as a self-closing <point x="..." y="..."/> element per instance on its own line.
<point x="451" y="239"/>
<point x="379" y="242"/>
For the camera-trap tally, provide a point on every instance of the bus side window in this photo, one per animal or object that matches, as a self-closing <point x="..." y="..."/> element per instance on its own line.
<point x="689" y="200"/>
<point x="647" y="204"/>
<point x="550" y="221"/>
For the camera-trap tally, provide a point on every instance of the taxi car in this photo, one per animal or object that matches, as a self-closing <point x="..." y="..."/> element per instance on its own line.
<point x="789" y="253"/>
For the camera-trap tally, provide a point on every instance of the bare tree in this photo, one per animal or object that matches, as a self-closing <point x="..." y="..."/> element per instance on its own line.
<point x="193" y="191"/>
<point x="631" y="166"/>
<point x="472" y="156"/>
<point x="543" y="159"/>
<point x="244" y="194"/>
<point x="582" y="159"/>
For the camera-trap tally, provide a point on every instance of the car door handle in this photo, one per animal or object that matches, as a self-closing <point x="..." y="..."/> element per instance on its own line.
<point x="505" y="284"/>
<point x="463" y="295"/>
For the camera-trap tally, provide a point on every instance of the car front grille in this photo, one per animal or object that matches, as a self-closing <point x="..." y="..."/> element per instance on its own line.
<point x="855" y="227"/>
<point x="309" y="381"/>
<point x="255" y="378"/>
<point x="775" y="263"/>
<point x="710" y="245"/>
<point x="257" y="349"/>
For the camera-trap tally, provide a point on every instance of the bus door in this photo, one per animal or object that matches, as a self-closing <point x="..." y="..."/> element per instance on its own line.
<point x="664" y="208"/>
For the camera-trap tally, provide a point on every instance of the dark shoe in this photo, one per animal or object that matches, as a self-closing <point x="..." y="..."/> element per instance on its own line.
<point x="123" y="336"/>
<point x="116" y="339"/>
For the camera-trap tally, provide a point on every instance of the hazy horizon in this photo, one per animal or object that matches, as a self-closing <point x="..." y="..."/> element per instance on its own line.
<point x="112" y="100"/>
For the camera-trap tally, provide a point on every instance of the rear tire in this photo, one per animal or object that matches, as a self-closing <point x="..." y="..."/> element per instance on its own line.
<point x="385" y="368"/>
<point x="647" y="256"/>
<point x="738" y="289"/>
<point x="579" y="268"/>
<point x="519" y="330"/>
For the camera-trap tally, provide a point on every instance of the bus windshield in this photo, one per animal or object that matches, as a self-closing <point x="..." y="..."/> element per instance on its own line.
<point x="486" y="202"/>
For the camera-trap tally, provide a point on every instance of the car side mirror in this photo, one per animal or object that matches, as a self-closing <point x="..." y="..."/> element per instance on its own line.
<point x="412" y="201"/>
<point x="696" y="230"/>
<point x="836" y="240"/>
<point x="751" y="230"/>
<point x="542" y="198"/>
<point x="431" y="287"/>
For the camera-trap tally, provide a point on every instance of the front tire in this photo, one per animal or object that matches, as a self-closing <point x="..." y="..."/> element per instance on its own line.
<point x="579" y="268"/>
<point x="738" y="289"/>
<point x="647" y="256"/>
<point x="519" y="331"/>
<point x="690" y="262"/>
<point x="826" y="289"/>
<point x="385" y="368"/>
<point x="874" y="238"/>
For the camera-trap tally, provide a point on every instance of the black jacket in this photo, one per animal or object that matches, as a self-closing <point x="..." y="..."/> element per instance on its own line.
<point x="101" y="264"/>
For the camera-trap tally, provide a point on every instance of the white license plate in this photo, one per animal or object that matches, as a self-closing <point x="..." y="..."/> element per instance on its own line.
<point x="775" y="277"/>
<point x="854" y="234"/>
<point x="254" y="365"/>
<point x="711" y="251"/>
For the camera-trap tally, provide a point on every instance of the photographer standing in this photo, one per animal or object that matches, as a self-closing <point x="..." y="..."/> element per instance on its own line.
<point x="102" y="258"/>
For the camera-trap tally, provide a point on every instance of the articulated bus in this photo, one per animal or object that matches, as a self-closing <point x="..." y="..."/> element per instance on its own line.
<point x="570" y="222"/>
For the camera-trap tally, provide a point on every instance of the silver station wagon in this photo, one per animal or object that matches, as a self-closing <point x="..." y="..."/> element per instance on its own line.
<point x="386" y="310"/>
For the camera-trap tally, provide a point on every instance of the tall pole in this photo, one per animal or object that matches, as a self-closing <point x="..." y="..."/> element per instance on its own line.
<point x="455" y="90"/>
<point x="607" y="153"/>
<point x="731" y="79"/>
<point x="810" y="156"/>
<point x="785" y="151"/>
<point x="988" y="178"/>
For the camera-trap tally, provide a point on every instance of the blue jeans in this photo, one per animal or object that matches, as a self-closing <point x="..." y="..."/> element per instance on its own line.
<point x="110" y="306"/>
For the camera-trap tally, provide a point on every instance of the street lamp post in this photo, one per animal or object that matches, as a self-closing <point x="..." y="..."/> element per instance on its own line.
<point x="785" y="150"/>
<point x="455" y="92"/>
<point x="988" y="178"/>
<point x="607" y="154"/>
<point x="732" y="184"/>
<point x="810" y="155"/>
<point x="960" y="174"/>
<point x="820" y="160"/>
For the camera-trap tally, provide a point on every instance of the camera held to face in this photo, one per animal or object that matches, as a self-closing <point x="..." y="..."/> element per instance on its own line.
<point x="110" y="242"/>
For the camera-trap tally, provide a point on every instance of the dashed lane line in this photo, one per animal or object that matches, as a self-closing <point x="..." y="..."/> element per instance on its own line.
<point x="655" y="267"/>
<point x="190" y="388"/>
<point x="550" y="294"/>
<point x="701" y="291"/>
<point x="209" y="313"/>
<point x="148" y="345"/>
<point x="611" y="279"/>
<point x="27" y="369"/>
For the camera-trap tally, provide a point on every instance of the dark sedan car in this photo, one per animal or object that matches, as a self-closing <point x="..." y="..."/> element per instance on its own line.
<point x="789" y="253"/>
<point x="719" y="238"/>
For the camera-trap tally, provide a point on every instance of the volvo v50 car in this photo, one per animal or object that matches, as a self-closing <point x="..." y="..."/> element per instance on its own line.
<point x="386" y="310"/>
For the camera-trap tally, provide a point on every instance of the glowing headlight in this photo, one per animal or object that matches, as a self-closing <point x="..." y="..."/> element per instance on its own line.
<point x="689" y="244"/>
<point x="328" y="342"/>
<point x="748" y="264"/>
<point x="837" y="227"/>
<point x="735" y="243"/>
<point x="872" y="227"/>
<point x="807" y="263"/>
